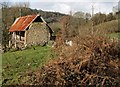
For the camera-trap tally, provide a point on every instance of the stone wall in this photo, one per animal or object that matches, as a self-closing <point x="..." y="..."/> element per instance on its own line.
<point x="37" y="34"/>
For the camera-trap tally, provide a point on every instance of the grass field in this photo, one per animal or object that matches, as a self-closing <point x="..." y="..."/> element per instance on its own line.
<point x="16" y="64"/>
<point x="114" y="35"/>
<point x="0" y="68"/>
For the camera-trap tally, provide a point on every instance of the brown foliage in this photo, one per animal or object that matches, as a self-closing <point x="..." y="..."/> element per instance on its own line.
<point x="92" y="60"/>
<point x="71" y="25"/>
<point x="99" y="18"/>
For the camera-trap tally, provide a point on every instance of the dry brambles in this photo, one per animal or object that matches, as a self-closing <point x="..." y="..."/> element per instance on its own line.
<point x="91" y="61"/>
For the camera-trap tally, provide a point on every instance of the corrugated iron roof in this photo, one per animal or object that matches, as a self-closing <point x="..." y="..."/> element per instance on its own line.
<point x="22" y="23"/>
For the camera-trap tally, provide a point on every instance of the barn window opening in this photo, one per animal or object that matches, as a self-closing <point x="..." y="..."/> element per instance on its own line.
<point x="38" y="19"/>
<point x="17" y="32"/>
<point x="22" y="33"/>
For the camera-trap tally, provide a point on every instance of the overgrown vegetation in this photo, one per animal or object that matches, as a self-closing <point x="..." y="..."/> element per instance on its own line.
<point x="93" y="59"/>
<point x="108" y="27"/>
<point x="115" y="35"/>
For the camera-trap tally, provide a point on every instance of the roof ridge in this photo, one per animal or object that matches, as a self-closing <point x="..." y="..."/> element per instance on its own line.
<point x="22" y="25"/>
<point x="31" y="21"/>
<point x="29" y="15"/>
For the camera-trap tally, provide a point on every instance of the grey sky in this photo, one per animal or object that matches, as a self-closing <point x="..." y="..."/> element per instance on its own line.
<point x="65" y="6"/>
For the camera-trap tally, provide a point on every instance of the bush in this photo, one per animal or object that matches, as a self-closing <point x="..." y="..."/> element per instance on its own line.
<point x="98" y="18"/>
<point x="92" y="60"/>
<point x="55" y="27"/>
<point x="108" y="27"/>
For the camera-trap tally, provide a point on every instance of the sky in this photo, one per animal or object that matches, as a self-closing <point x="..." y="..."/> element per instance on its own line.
<point x="65" y="6"/>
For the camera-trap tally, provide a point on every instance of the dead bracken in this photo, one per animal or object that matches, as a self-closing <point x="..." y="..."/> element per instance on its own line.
<point x="94" y="60"/>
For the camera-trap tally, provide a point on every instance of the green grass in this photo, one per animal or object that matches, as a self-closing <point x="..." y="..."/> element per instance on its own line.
<point x="0" y="69"/>
<point x="107" y="27"/>
<point x="16" y="64"/>
<point x="114" y="35"/>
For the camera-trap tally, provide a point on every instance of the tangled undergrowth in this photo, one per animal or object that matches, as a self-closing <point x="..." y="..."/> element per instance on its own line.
<point x="90" y="61"/>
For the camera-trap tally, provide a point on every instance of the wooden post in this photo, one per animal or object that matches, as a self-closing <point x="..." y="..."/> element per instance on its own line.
<point x="25" y="39"/>
<point x="15" y="39"/>
<point x="19" y="35"/>
<point x="92" y="17"/>
<point x="9" y="43"/>
<point x="10" y="40"/>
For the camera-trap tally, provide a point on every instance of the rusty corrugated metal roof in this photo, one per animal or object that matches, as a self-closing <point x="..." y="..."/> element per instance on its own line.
<point x="22" y="23"/>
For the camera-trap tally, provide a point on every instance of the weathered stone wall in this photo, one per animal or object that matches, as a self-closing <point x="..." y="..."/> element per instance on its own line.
<point x="37" y="34"/>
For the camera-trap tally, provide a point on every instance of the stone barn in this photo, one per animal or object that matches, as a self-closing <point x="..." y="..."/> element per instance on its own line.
<point x="29" y="30"/>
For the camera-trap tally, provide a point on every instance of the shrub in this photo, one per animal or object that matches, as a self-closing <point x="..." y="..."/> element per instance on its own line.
<point x="92" y="60"/>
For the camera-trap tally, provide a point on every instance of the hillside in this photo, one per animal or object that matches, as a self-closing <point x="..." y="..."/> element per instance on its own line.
<point x="12" y="13"/>
<point x="110" y="26"/>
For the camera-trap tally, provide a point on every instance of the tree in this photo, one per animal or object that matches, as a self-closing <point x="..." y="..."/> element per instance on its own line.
<point x="5" y="23"/>
<point x="116" y="8"/>
<point x="79" y="14"/>
<point x="71" y="25"/>
<point x="98" y="18"/>
<point x="117" y="15"/>
<point x="87" y="16"/>
<point x="21" y="7"/>
<point x="110" y="17"/>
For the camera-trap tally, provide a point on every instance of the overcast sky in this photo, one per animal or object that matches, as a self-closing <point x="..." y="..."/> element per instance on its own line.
<point x="65" y="6"/>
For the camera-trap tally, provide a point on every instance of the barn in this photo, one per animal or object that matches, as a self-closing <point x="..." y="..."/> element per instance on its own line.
<point x="28" y="31"/>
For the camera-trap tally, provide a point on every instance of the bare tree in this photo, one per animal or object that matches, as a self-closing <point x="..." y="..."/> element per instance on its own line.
<point x="21" y="4"/>
<point x="21" y="7"/>
<point x="79" y="14"/>
<point x="5" y="23"/>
